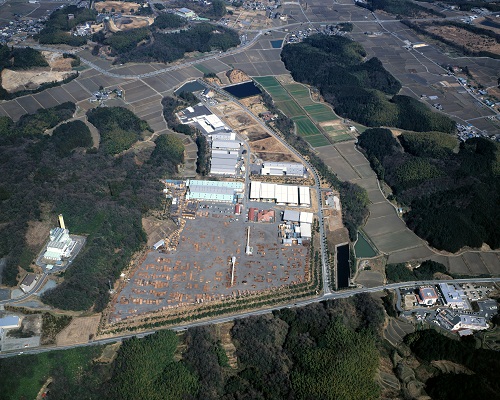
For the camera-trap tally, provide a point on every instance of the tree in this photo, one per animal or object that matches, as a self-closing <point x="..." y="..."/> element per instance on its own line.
<point x="168" y="147"/>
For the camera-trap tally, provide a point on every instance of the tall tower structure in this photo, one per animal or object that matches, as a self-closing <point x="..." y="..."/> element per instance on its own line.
<point x="61" y="221"/>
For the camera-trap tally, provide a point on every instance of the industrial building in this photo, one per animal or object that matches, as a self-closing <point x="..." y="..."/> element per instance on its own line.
<point x="281" y="194"/>
<point x="10" y="322"/>
<point x="224" y="162"/>
<point x="202" y="118"/>
<point x="60" y="244"/>
<point x="185" y="13"/>
<point x="453" y="297"/>
<point x="299" y="223"/>
<point x="213" y="190"/>
<point x="28" y="283"/>
<point x="218" y="144"/>
<point x="282" y="169"/>
<point x="296" y="216"/>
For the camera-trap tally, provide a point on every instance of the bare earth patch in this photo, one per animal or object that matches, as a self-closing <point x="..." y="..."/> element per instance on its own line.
<point x="117" y="5"/>
<point x="78" y="331"/>
<point x="237" y="76"/>
<point x="157" y="229"/>
<point x="59" y="69"/>
<point x="471" y="41"/>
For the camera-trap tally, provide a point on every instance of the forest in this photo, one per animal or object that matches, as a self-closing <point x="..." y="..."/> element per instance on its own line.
<point x="428" y="345"/>
<point x="58" y="26"/>
<point x="119" y="128"/>
<point x="363" y="91"/>
<point x="101" y="196"/>
<point x="328" y="350"/>
<point x="401" y="273"/>
<point x="451" y="190"/>
<point x="167" y="47"/>
<point x="400" y="8"/>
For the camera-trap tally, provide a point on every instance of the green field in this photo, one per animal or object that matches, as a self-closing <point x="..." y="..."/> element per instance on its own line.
<point x="317" y="108"/>
<point x="267" y="81"/>
<point x="305" y="127"/>
<point x="317" y="140"/>
<point x="290" y="108"/>
<point x="202" y="68"/>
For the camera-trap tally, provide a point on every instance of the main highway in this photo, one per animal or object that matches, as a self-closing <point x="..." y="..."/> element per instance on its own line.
<point x="179" y="328"/>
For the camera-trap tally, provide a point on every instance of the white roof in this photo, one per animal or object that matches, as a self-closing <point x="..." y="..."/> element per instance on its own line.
<point x="291" y="215"/>
<point x="215" y="121"/>
<point x="305" y="230"/>
<point x="225" y="144"/>
<point x="10" y="321"/>
<point x="306" y="217"/>
<point x="304" y="196"/>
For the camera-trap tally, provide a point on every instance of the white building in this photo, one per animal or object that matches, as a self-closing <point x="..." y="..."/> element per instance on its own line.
<point x="60" y="245"/>
<point x="281" y="194"/>
<point x="282" y="168"/>
<point x="28" y="283"/>
<point x="226" y="144"/>
<point x="453" y="297"/>
<point x="10" y="322"/>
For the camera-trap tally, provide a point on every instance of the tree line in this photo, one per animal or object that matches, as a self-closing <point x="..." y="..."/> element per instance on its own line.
<point x="101" y="196"/>
<point x="451" y="195"/>
<point x="363" y="91"/>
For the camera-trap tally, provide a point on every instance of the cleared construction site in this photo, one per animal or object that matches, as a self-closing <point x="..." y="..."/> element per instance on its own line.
<point x="218" y="255"/>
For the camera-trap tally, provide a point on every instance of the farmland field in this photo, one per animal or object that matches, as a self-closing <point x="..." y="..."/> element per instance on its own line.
<point x="267" y="81"/>
<point x="290" y="108"/>
<point x="202" y="68"/>
<point x="317" y="140"/>
<point x="305" y="127"/>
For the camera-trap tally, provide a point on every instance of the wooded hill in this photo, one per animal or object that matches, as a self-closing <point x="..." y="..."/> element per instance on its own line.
<point x="101" y="196"/>
<point x="363" y="91"/>
<point x="452" y="190"/>
<point x="326" y="351"/>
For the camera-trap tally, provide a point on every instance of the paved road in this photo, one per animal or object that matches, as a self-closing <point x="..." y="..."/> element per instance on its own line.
<point x="330" y="296"/>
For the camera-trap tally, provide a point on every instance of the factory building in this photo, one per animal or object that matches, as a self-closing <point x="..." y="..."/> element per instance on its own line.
<point x="218" y="144"/>
<point x="304" y="220"/>
<point x="223" y="134"/>
<point x="282" y="169"/>
<point x="60" y="244"/>
<point x="28" y="283"/>
<point x="223" y="162"/>
<point x="213" y="190"/>
<point x="281" y="194"/>
<point x="10" y="322"/>
<point x="202" y="118"/>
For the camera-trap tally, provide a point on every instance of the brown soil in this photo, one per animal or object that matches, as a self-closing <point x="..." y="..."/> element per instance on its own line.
<point x="109" y="353"/>
<point x="337" y="237"/>
<point x="117" y="5"/>
<point x="38" y="230"/>
<point x="271" y="150"/>
<point x="224" y="333"/>
<point x="237" y="76"/>
<point x="59" y="69"/>
<point x="157" y="229"/>
<point x="129" y="22"/>
<point x="254" y="104"/>
<point x="78" y="331"/>
<point x="463" y="37"/>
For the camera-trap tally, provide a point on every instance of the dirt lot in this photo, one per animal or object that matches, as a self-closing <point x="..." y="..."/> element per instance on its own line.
<point x="157" y="229"/>
<point x="129" y="22"/>
<point x="254" y="104"/>
<point x="117" y="5"/>
<point x="471" y="41"/>
<point x="38" y="230"/>
<point x="237" y="76"/>
<point x="78" y="331"/>
<point x="59" y="69"/>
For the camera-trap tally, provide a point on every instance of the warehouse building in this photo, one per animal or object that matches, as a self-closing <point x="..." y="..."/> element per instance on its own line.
<point x="28" y="283"/>
<point x="282" y="169"/>
<point x="213" y="190"/>
<point x="281" y="194"/>
<point x="223" y="134"/>
<point x="218" y="144"/>
<point x="10" y="322"/>
<point x="427" y="296"/>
